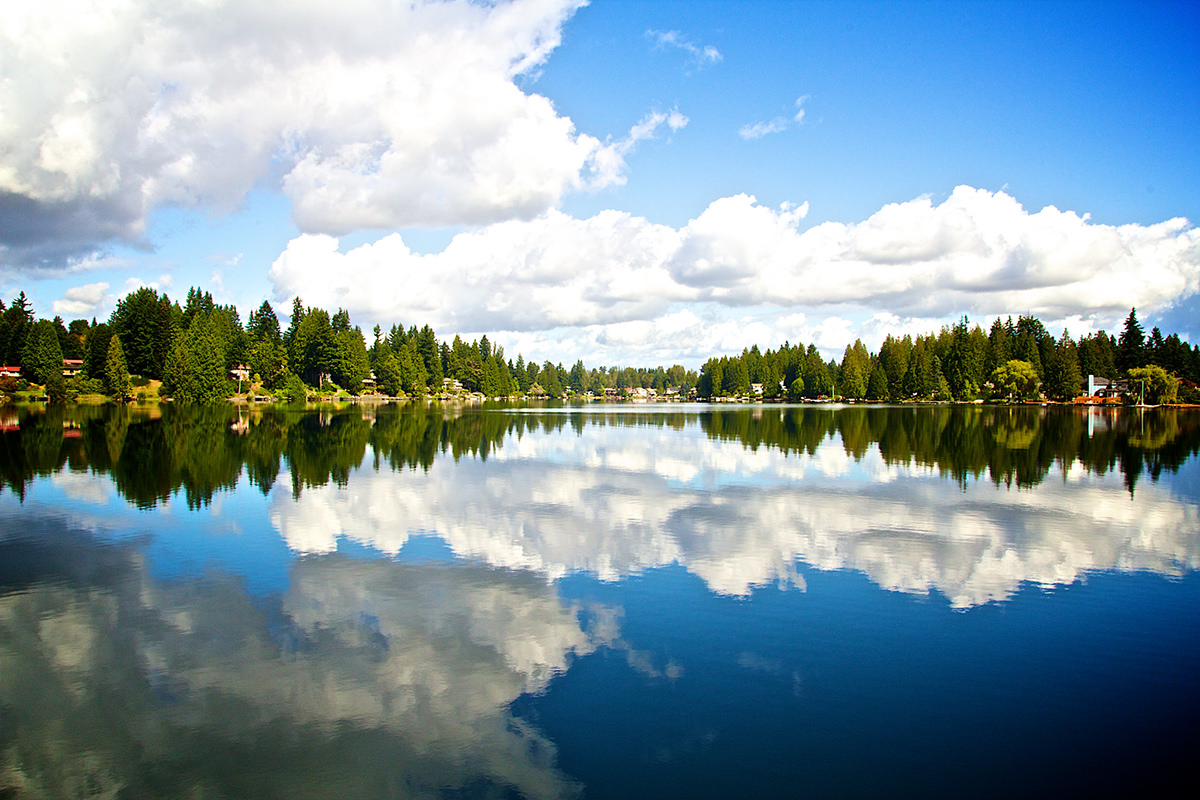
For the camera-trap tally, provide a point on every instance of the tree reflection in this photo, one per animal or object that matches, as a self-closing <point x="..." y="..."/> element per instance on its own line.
<point x="201" y="450"/>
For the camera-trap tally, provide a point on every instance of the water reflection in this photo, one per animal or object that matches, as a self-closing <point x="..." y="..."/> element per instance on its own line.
<point x="963" y="500"/>
<point x="618" y="502"/>
<point x="364" y="679"/>
<point x="193" y="603"/>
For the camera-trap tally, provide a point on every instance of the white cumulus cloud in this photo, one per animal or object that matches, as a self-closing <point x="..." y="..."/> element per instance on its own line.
<point x="82" y="301"/>
<point x="367" y="115"/>
<point x="619" y="286"/>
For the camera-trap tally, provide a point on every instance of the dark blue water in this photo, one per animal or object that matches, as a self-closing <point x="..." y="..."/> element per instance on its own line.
<point x="515" y="603"/>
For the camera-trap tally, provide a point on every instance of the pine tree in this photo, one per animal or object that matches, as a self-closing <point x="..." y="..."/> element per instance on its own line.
<point x="179" y="374"/>
<point x="208" y="359"/>
<point x="42" y="357"/>
<point x="116" y="372"/>
<point x="1131" y="347"/>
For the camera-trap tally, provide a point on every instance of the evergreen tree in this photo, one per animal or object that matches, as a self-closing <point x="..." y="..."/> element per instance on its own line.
<point x="264" y="325"/>
<point x="894" y="355"/>
<point x="95" y="351"/>
<point x="427" y="346"/>
<point x="817" y="380"/>
<point x="712" y="377"/>
<point x="877" y="387"/>
<point x="1063" y="380"/>
<point x="116" y="371"/>
<point x="208" y="357"/>
<point x="1131" y="347"/>
<point x="15" y="322"/>
<point x="855" y="371"/>
<point x="963" y="365"/>
<point x="179" y="373"/>
<point x="42" y="357"/>
<point x="137" y="320"/>
<point x="387" y="374"/>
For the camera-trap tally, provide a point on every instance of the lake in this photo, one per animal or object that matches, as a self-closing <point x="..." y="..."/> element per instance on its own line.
<point x="606" y="601"/>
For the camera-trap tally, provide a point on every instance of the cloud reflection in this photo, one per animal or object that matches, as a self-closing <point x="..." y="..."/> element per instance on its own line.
<point x="114" y="682"/>
<point x="617" y="501"/>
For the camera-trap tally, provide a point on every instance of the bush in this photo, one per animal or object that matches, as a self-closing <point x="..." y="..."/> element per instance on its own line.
<point x="1188" y="394"/>
<point x="56" y="389"/>
<point x="293" y="390"/>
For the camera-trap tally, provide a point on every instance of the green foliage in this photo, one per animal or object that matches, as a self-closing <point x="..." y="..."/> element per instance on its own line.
<point x="877" y="387"/>
<point x="42" y="358"/>
<point x="294" y="390"/>
<point x="387" y="375"/>
<point x="1063" y="378"/>
<point x="116" y="373"/>
<point x="1016" y="379"/>
<point x="855" y="371"/>
<point x="964" y="362"/>
<point x="145" y="322"/>
<point x="56" y="388"/>
<point x="1158" y="385"/>
<point x="15" y="322"/>
<point x="1131" y="347"/>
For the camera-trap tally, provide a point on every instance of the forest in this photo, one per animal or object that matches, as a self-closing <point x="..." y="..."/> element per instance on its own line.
<point x="192" y="348"/>
<point x="1013" y="360"/>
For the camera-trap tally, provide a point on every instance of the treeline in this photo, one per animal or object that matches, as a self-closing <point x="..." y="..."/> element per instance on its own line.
<point x="193" y="347"/>
<point x="199" y="450"/>
<point x="961" y="362"/>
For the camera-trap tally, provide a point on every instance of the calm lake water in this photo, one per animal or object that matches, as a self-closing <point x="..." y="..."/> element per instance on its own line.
<point x="600" y="601"/>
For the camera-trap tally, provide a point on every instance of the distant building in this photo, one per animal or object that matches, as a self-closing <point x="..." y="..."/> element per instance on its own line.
<point x="10" y="372"/>
<point x="1105" y="387"/>
<point x="72" y="367"/>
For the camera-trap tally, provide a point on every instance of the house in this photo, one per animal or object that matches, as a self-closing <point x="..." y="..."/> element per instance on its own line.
<point x="756" y="389"/>
<point x="1105" y="387"/>
<point x="10" y="372"/>
<point x="72" y="367"/>
<point x="451" y="385"/>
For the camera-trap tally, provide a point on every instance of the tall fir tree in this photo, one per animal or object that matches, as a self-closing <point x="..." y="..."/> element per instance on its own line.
<point x="42" y="357"/>
<point x="1131" y="346"/>
<point x="116" y="371"/>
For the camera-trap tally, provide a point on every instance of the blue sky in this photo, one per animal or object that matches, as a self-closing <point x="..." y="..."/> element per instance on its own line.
<point x="623" y="182"/>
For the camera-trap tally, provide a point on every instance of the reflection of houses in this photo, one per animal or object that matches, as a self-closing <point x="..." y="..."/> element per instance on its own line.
<point x="9" y="421"/>
<point x="241" y="425"/>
